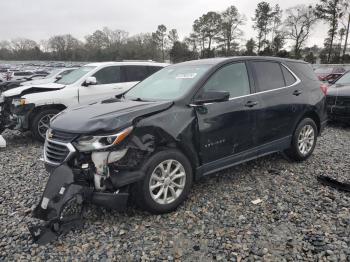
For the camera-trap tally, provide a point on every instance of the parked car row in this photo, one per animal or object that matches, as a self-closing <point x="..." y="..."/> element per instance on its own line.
<point x="338" y="99"/>
<point x="181" y="123"/>
<point x="33" y="104"/>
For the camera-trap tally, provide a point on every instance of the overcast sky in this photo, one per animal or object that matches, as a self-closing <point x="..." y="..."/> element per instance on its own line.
<point x="40" y="19"/>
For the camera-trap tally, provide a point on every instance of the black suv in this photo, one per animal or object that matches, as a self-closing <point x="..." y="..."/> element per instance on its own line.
<point x="184" y="122"/>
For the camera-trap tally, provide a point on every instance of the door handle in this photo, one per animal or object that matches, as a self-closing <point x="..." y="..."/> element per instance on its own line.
<point x="251" y="103"/>
<point x="297" y="92"/>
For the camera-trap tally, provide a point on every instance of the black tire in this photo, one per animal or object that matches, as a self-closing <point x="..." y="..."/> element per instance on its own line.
<point x="294" y="151"/>
<point x="34" y="125"/>
<point x="141" y="190"/>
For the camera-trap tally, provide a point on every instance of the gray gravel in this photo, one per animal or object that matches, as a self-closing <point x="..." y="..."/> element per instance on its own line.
<point x="297" y="219"/>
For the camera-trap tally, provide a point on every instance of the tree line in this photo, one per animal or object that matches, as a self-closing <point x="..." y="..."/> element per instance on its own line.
<point x="282" y="33"/>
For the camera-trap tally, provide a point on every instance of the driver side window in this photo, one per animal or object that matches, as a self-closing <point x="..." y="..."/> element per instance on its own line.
<point x="231" y="78"/>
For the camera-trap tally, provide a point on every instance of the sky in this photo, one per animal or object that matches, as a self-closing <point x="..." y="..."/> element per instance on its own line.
<point x="40" y="19"/>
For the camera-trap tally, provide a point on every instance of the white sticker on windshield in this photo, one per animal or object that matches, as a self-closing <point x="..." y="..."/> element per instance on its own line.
<point x="186" y="76"/>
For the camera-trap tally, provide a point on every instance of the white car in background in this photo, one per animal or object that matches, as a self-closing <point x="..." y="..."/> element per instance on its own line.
<point x="55" y="75"/>
<point x="32" y="107"/>
<point x="20" y="75"/>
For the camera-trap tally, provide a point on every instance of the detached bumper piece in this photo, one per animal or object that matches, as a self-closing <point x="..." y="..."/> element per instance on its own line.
<point x="62" y="202"/>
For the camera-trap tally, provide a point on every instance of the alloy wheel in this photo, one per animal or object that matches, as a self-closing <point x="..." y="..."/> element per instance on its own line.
<point x="43" y="124"/>
<point x="306" y="139"/>
<point x="167" y="181"/>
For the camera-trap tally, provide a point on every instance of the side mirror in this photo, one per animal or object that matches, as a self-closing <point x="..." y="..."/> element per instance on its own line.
<point x="212" y="97"/>
<point x="91" y="80"/>
<point x="58" y="77"/>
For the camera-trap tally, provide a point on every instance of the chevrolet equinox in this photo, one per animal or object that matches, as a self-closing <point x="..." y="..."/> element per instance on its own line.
<point x="184" y="122"/>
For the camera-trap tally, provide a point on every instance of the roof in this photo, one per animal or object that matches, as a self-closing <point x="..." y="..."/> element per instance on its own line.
<point x="218" y="60"/>
<point x="127" y="63"/>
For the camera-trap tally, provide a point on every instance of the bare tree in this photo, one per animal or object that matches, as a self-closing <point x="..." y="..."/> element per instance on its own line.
<point x="230" y="27"/>
<point x="298" y="24"/>
<point x="346" y="27"/>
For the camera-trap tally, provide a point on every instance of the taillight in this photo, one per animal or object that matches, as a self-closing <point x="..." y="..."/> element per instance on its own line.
<point x="324" y="88"/>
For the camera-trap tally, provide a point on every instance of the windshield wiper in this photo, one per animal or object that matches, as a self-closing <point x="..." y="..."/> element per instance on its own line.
<point x="139" y="100"/>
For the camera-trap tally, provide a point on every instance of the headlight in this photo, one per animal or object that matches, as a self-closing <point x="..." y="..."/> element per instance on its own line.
<point x="19" y="102"/>
<point x="91" y="143"/>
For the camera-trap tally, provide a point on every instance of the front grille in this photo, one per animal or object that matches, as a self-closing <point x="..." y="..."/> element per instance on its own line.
<point x="56" y="153"/>
<point x="62" y="136"/>
<point x="330" y="100"/>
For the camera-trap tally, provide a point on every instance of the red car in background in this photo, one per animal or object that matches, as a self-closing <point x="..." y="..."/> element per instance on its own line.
<point x="329" y="74"/>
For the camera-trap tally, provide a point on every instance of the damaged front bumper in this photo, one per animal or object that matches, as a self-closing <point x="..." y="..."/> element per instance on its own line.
<point x="62" y="202"/>
<point x="15" y="117"/>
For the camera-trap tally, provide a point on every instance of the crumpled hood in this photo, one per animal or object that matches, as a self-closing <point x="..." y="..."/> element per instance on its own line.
<point x="339" y="90"/>
<point x="18" y="90"/>
<point x="106" y="116"/>
<point x="39" y="81"/>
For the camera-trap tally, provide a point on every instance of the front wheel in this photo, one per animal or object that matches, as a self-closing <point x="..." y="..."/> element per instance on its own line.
<point x="303" y="141"/>
<point x="167" y="182"/>
<point x="41" y="122"/>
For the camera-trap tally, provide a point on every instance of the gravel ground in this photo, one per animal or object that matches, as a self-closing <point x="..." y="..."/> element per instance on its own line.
<point x="297" y="218"/>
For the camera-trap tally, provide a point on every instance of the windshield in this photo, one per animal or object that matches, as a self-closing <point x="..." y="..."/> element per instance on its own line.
<point x="344" y="80"/>
<point x="324" y="70"/>
<point x="75" y="75"/>
<point x="169" y="83"/>
<point x="53" y="73"/>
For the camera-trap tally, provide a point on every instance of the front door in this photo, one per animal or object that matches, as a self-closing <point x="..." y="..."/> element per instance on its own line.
<point x="110" y="82"/>
<point x="227" y="128"/>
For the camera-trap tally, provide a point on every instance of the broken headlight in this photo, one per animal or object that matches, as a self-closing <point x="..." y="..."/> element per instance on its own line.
<point x="91" y="143"/>
<point x="19" y="102"/>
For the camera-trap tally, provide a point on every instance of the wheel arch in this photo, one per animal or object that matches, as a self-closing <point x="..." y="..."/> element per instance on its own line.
<point x="314" y="116"/>
<point x="43" y="107"/>
<point x="163" y="140"/>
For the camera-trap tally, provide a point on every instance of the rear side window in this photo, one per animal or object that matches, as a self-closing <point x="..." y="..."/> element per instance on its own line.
<point x="231" y="78"/>
<point x="135" y="73"/>
<point x="303" y="70"/>
<point x="108" y="75"/>
<point x="288" y="77"/>
<point x="269" y="75"/>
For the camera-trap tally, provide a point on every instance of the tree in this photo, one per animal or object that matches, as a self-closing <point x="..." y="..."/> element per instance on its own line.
<point x="276" y="21"/>
<point x="192" y="42"/>
<point x="250" y="46"/>
<point x="160" y="38"/>
<point x="310" y="58"/>
<point x="330" y="11"/>
<point x="346" y="27"/>
<point x="207" y="27"/>
<point x="180" y="52"/>
<point x="231" y="20"/>
<point x="262" y="22"/>
<point x="298" y="24"/>
<point x="277" y="43"/>
<point x="173" y="36"/>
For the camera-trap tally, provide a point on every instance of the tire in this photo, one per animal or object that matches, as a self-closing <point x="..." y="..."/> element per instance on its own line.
<point x="36" y="121"/>
<point x="296" y="152"/>
<point x="145" y="197"/>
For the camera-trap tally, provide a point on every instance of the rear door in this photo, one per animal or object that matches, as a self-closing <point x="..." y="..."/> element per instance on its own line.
<point x="280" y="95"/>
<point x="226" y="129"/>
